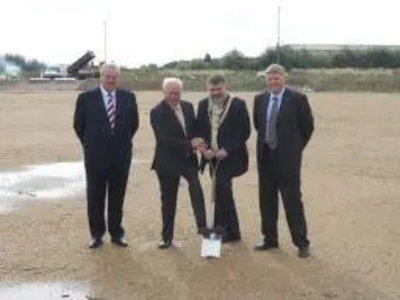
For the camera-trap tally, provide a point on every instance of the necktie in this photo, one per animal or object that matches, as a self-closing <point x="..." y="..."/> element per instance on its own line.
<point x="111" y="110"/>
<point x="271" y="137"/>
<point x="180" y="117"/>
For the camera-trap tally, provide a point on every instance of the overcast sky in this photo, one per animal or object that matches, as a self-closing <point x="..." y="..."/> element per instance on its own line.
<point x="158" y="31"/>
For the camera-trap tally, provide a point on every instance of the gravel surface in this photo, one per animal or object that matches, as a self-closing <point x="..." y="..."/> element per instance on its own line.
<point x="351" y="188"/>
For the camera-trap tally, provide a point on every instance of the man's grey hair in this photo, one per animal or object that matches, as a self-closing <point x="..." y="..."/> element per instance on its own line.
<point x="109" y="66"/>
<point x="172" y="81"/>
<point x="276" y="69"/>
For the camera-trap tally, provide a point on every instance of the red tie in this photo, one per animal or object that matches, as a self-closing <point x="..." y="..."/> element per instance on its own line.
<point x="111" y="110"/>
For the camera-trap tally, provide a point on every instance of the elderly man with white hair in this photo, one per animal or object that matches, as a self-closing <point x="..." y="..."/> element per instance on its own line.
<point x="174" y="124"/>
<point x="106" y="120"/>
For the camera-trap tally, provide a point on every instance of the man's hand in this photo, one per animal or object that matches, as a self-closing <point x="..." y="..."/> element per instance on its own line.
<point x="208" y="154"/>
<point x="197" y="143"/>
<point x="221" y="154"/>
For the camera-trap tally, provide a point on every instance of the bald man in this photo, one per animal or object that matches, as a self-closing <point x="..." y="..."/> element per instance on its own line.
<point x="173" y="123"/>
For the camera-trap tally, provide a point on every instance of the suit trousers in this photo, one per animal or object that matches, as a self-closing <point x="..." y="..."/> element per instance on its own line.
<point x="225" y="214"/>
<point x="272" y="178"/>
<point x="169" y="186"/>
<point x="111" y="181"/>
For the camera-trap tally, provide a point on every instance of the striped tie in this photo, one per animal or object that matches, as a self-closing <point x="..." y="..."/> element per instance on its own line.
<point x="111" y="110"/>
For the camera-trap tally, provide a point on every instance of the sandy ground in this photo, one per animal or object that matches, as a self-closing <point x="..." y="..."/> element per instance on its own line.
<point x="351" y="187"/>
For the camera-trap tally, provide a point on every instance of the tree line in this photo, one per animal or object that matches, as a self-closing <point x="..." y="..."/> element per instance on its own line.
<point x="290" y="58"/>
<point x="26" y="65"/>
<point x="294" y="58"/>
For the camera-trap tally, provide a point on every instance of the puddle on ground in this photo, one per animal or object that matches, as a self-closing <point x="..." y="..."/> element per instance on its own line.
<point x="44" y="291"/>
<point x="50" y="181"/>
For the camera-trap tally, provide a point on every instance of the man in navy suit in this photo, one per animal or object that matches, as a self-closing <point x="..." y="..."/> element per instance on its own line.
<point x="284" y="123"/>
<point x="223" y="123"/>
<point x="106" y="120"/>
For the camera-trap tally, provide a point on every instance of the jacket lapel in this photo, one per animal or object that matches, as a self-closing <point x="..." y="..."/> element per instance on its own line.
<point x="264" y="111"/>
<point x="186" y="116"/>
<point x="102" y="107"/>
<point x="119" y="106"/>
<point x="226" y="111"/>
<point x="172" y="118"/>
<point x="284" y="105"/>
<point x="102" y="104"/>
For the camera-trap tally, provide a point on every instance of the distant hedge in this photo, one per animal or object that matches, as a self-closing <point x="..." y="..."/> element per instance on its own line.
<point x="376" y="57"/>
<point x="374" y="80"/>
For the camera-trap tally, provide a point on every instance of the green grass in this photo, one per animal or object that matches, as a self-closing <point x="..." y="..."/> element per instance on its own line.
<point x="376" y="80"/>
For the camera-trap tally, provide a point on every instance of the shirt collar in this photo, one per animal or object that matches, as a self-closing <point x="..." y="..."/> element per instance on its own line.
<point x="279" y="95"/>
<point x="105" y="92"/>
<point x="177" y="107"/>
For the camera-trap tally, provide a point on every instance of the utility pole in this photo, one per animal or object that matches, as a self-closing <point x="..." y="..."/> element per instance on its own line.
<point x="105" y="40"/>
<point x="278" y="44"/>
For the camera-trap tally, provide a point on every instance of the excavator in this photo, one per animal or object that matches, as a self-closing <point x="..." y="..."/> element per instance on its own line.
<point x="81" y="69"/>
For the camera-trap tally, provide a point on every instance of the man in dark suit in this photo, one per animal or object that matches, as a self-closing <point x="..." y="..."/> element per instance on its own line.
<point x="284" y="122"/>
<point x="173" y="123"/>
<point x="223" y="123"/>
<point x="105" y="121"/>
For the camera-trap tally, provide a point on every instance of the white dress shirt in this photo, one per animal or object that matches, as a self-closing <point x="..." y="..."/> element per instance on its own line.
<point x="105" y="94"/>
<point x="181" y="117"/>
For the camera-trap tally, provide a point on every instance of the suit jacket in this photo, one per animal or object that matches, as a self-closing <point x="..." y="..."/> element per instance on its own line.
<point x="233" y="133"/>
<point x="295" y="125"/>
<point x="173" y="152"/>
<point x="102" y="146"/>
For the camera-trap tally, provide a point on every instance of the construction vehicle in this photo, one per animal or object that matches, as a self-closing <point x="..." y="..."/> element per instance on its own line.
<point x="82" y="68"/>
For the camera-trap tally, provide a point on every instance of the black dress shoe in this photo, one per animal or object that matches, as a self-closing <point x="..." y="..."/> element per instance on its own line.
<point x="96" y="243"/>
<point x="203" y="231"/>
<point x="165" y="245"/>
<point x="265" y="246"/>
<point x="219" y="230"/>
<point x="120" y="242"/>
<point x="304" y="252"/>
<point x="230" y="238"/>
